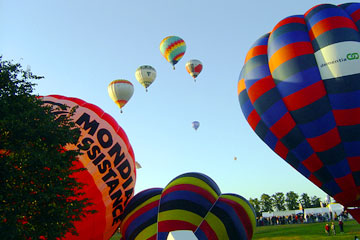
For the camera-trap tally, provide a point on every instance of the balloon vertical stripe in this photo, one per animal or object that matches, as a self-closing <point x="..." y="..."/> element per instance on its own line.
<point x="353" y="9"/>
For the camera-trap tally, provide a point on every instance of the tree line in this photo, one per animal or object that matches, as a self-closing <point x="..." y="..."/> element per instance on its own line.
<point x="281" y="202"/>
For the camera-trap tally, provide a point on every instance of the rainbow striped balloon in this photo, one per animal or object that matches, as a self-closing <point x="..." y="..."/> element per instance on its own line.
<point x="300" y="92"/>
<point x="173" y="49"/>
<point x="191" y="202"/>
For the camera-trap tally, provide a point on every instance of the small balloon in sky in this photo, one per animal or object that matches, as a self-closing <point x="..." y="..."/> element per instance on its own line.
<point x="194" y="67"/>
<point x="195" y="125"/>
<point x="145" y="75"/>
<point x="173" y="49"/>
<point x="137" y="165"/>
<point x="120" y="91"/>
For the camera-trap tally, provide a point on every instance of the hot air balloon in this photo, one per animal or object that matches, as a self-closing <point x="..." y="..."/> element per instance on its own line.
<point x="145" y="75"/>
<point x="110" y="175"/>
<point x="120" y="91"/>
<point x="191" y="206"/>
<point x="194" y="67"/>
<point x="299" y="91"/>
<point x="137" y="165"/>
<point x="173" y="49"/>
<point x="195" y="125"/>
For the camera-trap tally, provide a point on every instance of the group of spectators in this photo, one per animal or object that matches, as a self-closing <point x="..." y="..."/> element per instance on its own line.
<point x="300" y="218"/>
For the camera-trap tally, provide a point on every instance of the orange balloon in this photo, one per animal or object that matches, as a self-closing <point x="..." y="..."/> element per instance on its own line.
<point x="109" y="160"/>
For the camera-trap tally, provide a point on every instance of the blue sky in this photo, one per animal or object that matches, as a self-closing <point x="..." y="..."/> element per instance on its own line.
<point x="81" y="46"/>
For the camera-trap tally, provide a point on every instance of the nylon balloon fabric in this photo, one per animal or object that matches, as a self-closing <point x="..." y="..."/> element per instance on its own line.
<point x="173" y="49"/>
<point x="190" y="202"/>
<point x="299" y="90"/>
<point x="107" y="156"/>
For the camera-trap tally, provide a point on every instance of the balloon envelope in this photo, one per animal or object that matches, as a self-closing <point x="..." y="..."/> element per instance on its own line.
<point x="120" y="91"/>
<point x="194" y="67"/>
<point x="192" y="202"/>
<point x="145" y="75"/>
<point x="173" y="49"/>
<point x="108" y="158"/>
<point x="195" y="125"/>
<point x="299" y="90"/>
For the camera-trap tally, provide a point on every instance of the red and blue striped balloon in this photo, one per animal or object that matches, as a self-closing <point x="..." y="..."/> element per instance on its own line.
<point x="299" y="89"/>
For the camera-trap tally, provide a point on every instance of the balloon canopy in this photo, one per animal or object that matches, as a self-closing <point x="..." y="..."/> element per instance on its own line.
<point x="299" y="89"/>
<point x="145" y="75"/>
<point x="194" y="67"/>
<point x="108" y="158"/>
<point x="173" y="49"/>
<point x="195" y="125"/>
<point x="192" y="202"/>
<point x="120" y="91"/>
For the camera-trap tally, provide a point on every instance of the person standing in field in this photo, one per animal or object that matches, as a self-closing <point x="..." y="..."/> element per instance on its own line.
<point x="327" y="229"/>
<point x="333" y="228"/>
<point x="341" y="225"/>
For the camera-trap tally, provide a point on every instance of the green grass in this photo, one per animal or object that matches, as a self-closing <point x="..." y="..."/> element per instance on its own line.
<point x="307" y="231"/>
<point x="300" y="231"/>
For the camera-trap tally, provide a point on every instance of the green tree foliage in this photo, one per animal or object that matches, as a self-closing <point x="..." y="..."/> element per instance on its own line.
<point x="266" y="203"/>
<point x="292" y="200"/>
<point x="315" y="201"/>
<point x="256" y="205"/>
<point x="278" y="201"/>
<point x="305" y="200"/>
<point x="38" y="198"/>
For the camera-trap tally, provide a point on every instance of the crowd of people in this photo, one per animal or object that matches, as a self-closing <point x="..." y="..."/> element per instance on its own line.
<point x="301" y="218"/>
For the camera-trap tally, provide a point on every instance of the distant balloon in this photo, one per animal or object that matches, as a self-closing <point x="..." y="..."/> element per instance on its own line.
<point x="173" y="49"/>
<point x="299" y="91"/>
<point x="191" y="206"/>
<point x="194" y="67"/>
<point x="108" y="159"/>
<point x="235" y="158"/>
<point x="137" y="165"/>
<point x="145" y="75"/>
<point x="195" y="125"/>
<point x="120" y="91"/>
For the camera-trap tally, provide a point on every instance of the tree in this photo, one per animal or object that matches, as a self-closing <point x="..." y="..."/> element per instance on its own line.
<point x="256" y="205"/>
<point x="38" y="197"/>
<point x="315" y="201"/>
<point x="278" y="201"/>
<point x="292" y="200"/>
<point x="266" y="203"/>
<point x="305" y="200"/>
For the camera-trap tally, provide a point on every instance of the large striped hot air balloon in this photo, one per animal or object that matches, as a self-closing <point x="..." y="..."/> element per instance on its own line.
<point x="299" y="90"/>
<point x="191" y="204"/>
<point x="110" y="175"/>
<point x="173" y="49"/>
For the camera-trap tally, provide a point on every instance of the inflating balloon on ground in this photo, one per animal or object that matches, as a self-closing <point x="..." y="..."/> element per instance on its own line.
<point x="299" y="90"/>
<point x="109" y="161"/>
<point x="192" y="206"/>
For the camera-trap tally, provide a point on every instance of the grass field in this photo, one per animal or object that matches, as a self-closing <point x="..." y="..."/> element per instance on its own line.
<point x="301" y="231"/>
<point x="307" y="231"/>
